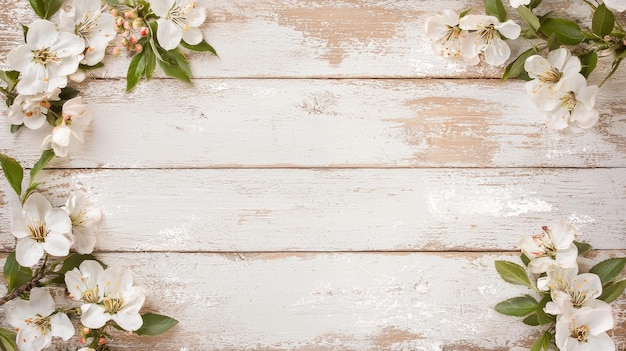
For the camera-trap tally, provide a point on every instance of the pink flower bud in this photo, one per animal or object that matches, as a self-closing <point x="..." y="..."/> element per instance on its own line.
<point x="116" y="51"/>
<point x="124" y="42"/>
<point x="132" y="39"/>
<point x="143" y="31"/>
<point x="115" y="12"/>
<point x="138" y="48"/>
<point x="119" y="21"/>
<point x="128" y="25"/>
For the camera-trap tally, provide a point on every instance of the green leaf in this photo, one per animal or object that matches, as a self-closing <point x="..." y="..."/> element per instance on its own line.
<point x="525" y="259"/>
<point x="518" y="306"/>
<point x="609" y="269"/>
<point x="150" y="62"/>
<point x="16" y="127"/>
<point x="46" y="157"/>
<point x="171" y="67"/>
<point x="530" y="18"/>
<point x="612" y="291"/>
<point x="38" y="7"/>
<point x="543" y="343"/>
<point x="582" y="247"/>
<point x="46" y="8"/>
<point x="495" y="8"/>
<point x="542" y="316"/>
<point x="516" y="67"/>
<point x="14" y="274"/>
<point x="68" y="93"/>
<point x="552" y="42"/>
<point x="462" y="14"/>
<point x="10" y="78"/>
<point x="155" y="324"/>
<point x="203" y="46"/>
<point x="603" y="21"/>
<point x="135" y="70"/>
<point x="13" y="172"/>
<point x="534" y="3"/>
<point x="567" y="32"/>
<point x="513" y="273"/>
<point x="531" y="320"/>
<point x="88" y="68"/>
<point x="7" y="338"/>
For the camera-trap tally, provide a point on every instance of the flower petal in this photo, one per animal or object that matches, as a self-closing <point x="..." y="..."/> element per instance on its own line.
<point x="28" y="252"/>
<point x="41" y="302"/>
<point x="192" y="36"/>
<point x="56" y="245"/>
<point x="161" y="7"/>
<point x="168" y="34"/>
<point x="84" y="240"/>
<point x="61" y="326"/>
<point x="94" y="317"/>
<point x="41" y="34"/>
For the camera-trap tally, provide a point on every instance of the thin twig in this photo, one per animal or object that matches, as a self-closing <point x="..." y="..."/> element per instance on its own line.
<point x="26" y="287"/>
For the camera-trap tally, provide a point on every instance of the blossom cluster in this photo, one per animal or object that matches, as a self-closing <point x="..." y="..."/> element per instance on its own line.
<point x="574" y="302"/>
<point x="557" y="80"/>
<point x="61" y="51"/>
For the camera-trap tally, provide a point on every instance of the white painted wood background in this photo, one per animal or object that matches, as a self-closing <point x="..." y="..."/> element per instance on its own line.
<point x="330" y="184"/>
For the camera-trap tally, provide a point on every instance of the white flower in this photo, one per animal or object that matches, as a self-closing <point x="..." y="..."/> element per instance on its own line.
<point x="85" y="218"/>
<point x="36" y="321"/>
<point x="517" y="3"/>
<point x="580" y="291"/>
<point x="574" y="102"/>
<point x="557" y="278"/>
<point x="617" y="5"/>
<point x="486" y="36"/>
<point x="446" y="36"/>
<point x="31" y="110"/>
<point x="46" y="59"/>
<point x="585" y="330"/>
<point x="546" y="73"/>
<point x="82" y="282"/>
<point x="76" y="118"/>
<point x="38" y="227"/>
<point x="120" y="301"/>
<point x="95" y="27"/>
<point x="178" y="19"/>
<point x="555" y="246"/>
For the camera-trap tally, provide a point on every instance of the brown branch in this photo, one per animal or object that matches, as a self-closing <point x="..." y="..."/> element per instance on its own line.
<point x="24" y="288"/>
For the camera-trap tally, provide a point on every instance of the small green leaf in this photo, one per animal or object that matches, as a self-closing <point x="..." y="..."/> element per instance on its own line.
<point x="518" y="306"/>
<point x="543" y="343"/>
<point x="10" y="78"/>
<point x="462" y="14"/>
<point x="202" y="46"/>
<point x="155" y="324"/>
<point x="525" y="259"/>
<point x="150" y="62"/>
<point x="516" y="67"/>
<point x="567" y="32"/>
<point x="7" y="338"/>
<point x="531" y="320"/>
<point x="534" y="3"/>
<point x="38" y="7"/>
<point x="46" y="157"/>
<point x="175" y="66"/>
<point x="14" y="274"/>
<point x="609" y="269"/>
<point x="16" y="127"/>
<point x="542" y="316"/>
<point x="612" y="291"/>
<point x="68" y="93"/>
<point x="513" y="273"/>
<point x="51" y="7"/>
<point x="530" y="18"/>
<point x="495" y="8"/>
<point x="603" y="21"/>
<point x="13" y="172"/>
<point x="136" y="70"/>
<point x="88" y="68"/>
<point x="582" y="247"/>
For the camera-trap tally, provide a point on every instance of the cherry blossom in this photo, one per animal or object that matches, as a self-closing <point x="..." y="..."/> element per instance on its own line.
<point x="485" y="37"/>
<point x="446" y="36"/>
<point x="76" y="118"/>
<point x="31" y="110"/>
<point x="585" y="330"/>
<point x="555" y="246"/>
<point x="85" y="218"/>
<point x="547" y="73"/>
<point x="179" y="19"/>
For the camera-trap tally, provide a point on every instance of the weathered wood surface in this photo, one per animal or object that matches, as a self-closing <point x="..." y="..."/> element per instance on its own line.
<point x="330" y="123"/>
<point x="340" y="210"/>
<point x="347" y="301"/>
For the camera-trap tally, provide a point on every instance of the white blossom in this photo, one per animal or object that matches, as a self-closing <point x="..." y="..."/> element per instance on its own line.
<point x="580" y="291"/>
<point x="37" y="321"/>
<point x="31" y="110"/>
<point x="574" y="102"/>
<point x="46" y="59"/>
<point x="446" y="36"/>
<point x="485" y="36"/>
<point x="547" y="73"/>
<point x="517" y="3"/>
<point x="85" y="218"/>
<point x="120" y="301"/>
<point x="87" y="20"/>
<point x="82" y="282"/>
<point x="76" y="118"/>
<point x="584" y="329"/>
<point x="617" y="5"/>
<point x="179" y="19"/>
<point x="40" y="228"/>
<point x="555" y="246"/>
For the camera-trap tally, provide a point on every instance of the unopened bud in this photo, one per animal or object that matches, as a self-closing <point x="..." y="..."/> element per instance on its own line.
<point x="132" y="39"/>
<point x="137" y="23"/>
<point x="138" y="48"/>
<point x="102" y="341"/>
<point x="71" y="296"/>
<point x="82" y="340"/>
<point x="124" y="42"/>
<point x="116" y="51"/>
<point x="143" y="31"/>
<point x="85" y="331"/>
<point x="132" y="14"/>
<point x="115" y="12"/>
<point x="119" y="21"/>
<point x="128" y="25"/>
<point x="607" y="38"/>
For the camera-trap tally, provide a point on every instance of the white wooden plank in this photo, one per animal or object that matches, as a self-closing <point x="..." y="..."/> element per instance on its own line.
<point x="310" y="38"/>
<point x="330" y="210"/>
<point x="360" y="301"/>
<point x="329" y="123"/>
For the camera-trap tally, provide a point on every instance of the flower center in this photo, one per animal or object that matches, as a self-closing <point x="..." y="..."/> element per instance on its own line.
<point x="552" y="75"/>
<point x="44" y="56"/>
<point x="39" y="322"/>
<point x="85" y="28"/>
<point x="451" y="42"/>
<point x="488" y="33"/>
<point x="91" y="296"/>
<point x="77" y="220"/>
<point x="568" y="101"/>
<point x="112" y="305"/>
<point x="580" y="333"/>
<point x="178" y="14"/>
<point x="38" y="232"/>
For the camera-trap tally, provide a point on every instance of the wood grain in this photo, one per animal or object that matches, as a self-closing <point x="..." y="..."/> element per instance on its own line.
<point x="329" y="123"/>
<point x="340" y="210"/>
<point x="348" y="301"/>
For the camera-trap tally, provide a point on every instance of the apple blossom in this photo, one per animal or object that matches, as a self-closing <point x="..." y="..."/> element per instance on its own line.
<point x="485" y="36"/>
<point x="585" y="330"/>
<point x="75" y="119"/>
<point x="445" y="35"/>
<point x="32" y="110"/>
<point x="555" y="246"/>
<point x="546" y="73"/>
<point x="85" y="218"/>
<point x="40" y="228"/>
<point x="574" y="102"/>
<point x="82" y="282"/>
<point x="179" y="19"/>
<point x="46" y="59"/>
<point x="37" y="321"/>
